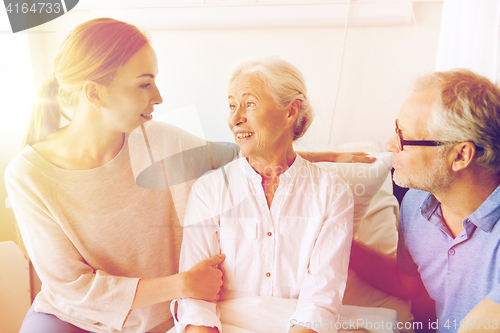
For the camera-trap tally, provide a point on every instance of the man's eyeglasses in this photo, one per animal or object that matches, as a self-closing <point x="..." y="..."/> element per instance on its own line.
<point x="402" y="142"/>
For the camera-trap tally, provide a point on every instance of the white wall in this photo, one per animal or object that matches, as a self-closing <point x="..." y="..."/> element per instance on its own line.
<point x="15" y="92"/>
<point x="379" y="64"/>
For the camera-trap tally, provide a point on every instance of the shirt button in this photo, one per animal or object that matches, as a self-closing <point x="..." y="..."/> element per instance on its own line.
<point x="269" y="233"/>
<point x="451" y="251"/>
<point x="268" y="274"/>
<point x="467" y="221"/>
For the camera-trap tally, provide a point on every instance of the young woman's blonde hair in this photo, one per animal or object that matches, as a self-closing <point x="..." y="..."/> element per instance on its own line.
<point x="285" y="83"/>
<point x="94" y="51"/>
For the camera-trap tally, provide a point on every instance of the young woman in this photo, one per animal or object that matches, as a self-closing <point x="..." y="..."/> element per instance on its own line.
<point x="105" y="249"/>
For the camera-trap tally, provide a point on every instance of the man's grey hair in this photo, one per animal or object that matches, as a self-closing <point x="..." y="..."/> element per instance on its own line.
<point x="467" y="109"/>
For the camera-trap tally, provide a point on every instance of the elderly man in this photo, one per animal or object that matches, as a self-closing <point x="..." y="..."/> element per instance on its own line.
<point x="447" y="150"/>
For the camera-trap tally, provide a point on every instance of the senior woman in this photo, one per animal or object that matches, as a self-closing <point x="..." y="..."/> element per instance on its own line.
<point x="284" y="224"/>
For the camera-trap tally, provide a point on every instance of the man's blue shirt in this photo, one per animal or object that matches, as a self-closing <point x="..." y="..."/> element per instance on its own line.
<point x="457" y="272"/>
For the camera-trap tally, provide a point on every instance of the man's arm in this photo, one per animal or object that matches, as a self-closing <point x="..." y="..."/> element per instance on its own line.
<point x="224" y="152"/>
<point x="484" y="317"/>
<point x="329" y="156"/>
<point x="381" y="271"/>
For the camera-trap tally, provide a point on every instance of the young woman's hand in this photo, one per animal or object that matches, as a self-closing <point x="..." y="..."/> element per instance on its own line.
<point x="203" y="280"/>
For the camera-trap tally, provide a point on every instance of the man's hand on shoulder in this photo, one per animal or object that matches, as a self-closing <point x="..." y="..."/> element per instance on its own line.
<point x="328" y="156"/>
<point x="381" y="271"/>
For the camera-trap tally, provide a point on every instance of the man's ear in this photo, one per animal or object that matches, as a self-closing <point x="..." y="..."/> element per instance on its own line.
<point x="293" y="112"/>
<point x="462" y="154"/>
<point x="93" y="92"/>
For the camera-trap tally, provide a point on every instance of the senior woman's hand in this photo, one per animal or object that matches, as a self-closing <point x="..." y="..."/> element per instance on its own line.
<point x="327" y="156"/>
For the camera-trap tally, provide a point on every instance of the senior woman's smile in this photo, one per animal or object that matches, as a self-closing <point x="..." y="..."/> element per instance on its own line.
<point x="243" y="135"/>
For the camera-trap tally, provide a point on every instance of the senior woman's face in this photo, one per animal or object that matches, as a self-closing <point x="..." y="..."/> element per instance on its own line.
<point x="257" y="124"/>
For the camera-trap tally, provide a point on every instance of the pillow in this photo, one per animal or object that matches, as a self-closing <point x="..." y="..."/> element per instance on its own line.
<point x="379" y="226"/>
<point x="380" y="223"/>
<point x="364" y="179"/>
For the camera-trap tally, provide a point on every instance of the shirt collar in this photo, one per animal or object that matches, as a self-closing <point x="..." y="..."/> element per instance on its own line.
<point x="484" y="217"/>
<point x="429" y="206"/>
<point x="290" y="173"/>
<point x="488" y="213"/>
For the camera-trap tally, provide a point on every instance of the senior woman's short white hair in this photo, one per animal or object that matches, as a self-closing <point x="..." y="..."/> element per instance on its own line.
<point x="285" y="84"/>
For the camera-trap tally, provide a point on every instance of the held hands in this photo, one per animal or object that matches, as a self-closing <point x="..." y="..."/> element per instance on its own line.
<point x="203" y="280"/>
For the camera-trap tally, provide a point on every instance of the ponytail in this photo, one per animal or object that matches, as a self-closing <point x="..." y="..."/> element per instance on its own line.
<point x="46" y="113"/>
